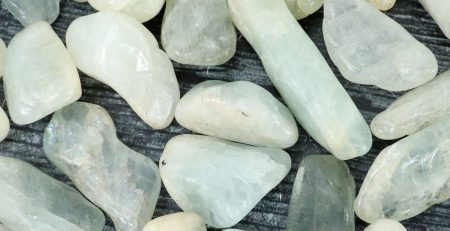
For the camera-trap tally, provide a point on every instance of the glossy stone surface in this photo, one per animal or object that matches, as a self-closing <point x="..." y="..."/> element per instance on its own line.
<point x="198" y="32"/>
<point x="385" y="225"/>
<point x="182" y="221"/>
<point x="374" y="49"/>
<point x="439" y="10"/>
<point x="50" y="80"/>
<point x="382" y="4"/>
<point x="32" y="11"/>
<point x="322" y="196"/>
<point x="407" y="177"/>
<point x="238" y="111"/>
<point x="220" y="180"/>
<point x="33" y="201"/>
<point x="81" y="141"/>
<point x="4" y="125"/>
<point x="129" y="60"/>
<point x="415" y="110"/>
<point x="303" y="77"/>
<point x="2" y="56"/>
<point x="303" y="8"/>
<point x="142" y="10"/>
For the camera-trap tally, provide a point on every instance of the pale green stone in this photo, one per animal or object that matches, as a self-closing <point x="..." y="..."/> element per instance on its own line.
<point x="183" y="221"/>
<point x="439" y="10"/>
<point x="383" y="4"/>
<point x="32" y="11"/>
<point x="142" y="10"/>
<point x="303" y="8"/>
<point x="2" y="56"/>
<point x="385" y="225"/>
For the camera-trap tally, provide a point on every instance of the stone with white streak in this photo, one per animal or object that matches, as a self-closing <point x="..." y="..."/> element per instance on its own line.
<point x="183" y="221"/>
<point x="383" y="5"/>
<point x="142" y="10"/>
<point x="32" y="11"/>
<point x="439" y="10"/>
<point x="385" y="225"/>
<point x="303" y="8"/>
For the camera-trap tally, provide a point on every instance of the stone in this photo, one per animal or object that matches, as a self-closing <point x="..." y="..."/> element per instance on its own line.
<point x="50" y="80"/>
<point x="383" y="5"/>
<point x="322" y="196"/>
<point x="438" y="9"/>
<point x="198" y="32"/>
<point x="385" y="225"/>
<point x="142" y="10"/>
<point x="220" y="180"/>
<point x="81" y="141"/>
<point x="303" y="77"/>
<point x="2" y="57"/>
<point x="29" y="12"/>
<point x="129" y="60"/>
<point x="4" y="125"/>
<point x="415" y="110"/>
<point x="177" y="222"/>
<point x="237" y="111"/>
<point x="407" y="177"/>
<point x="32" y="200"/>
<point x="303" y="8"/>
<point x="374" y="50"/>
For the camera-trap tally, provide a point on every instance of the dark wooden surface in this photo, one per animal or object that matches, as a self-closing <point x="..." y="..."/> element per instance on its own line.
<point x="25" y="142"/>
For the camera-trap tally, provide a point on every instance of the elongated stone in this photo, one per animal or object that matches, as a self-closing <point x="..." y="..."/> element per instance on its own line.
<point x="142" y="10"/>
<point x="40" y="77"/>
<point x="198" y="32"/>
<point x="439" y="10"/>
<point x="303" y="8"/>
<point x="81" y="141"/>
<point x="415" y="110"/>
<point x="177" y="222"/>
<point x="408" y="176"/>
<point x="32" y="11"/>
<point x="323" y="195"/>
<point x="238" y="111"/>
<point x="374" y="49"/>
<point x="33" y="201"/>
<point x="220" y="180"/>
<point x="2" y="57"/>
<point x="385" y="225"/>
<point x="383" y="5"/>
<point x="303" y="77"/>
<point x="129" y="60"/>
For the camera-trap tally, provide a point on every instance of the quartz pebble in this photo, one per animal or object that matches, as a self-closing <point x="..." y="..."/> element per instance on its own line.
<point x="303" y="77"/>
<point x="407" y="177"/>
<point x="81" y="141"/>
<point x="129" y="60"/>
<point x="142" y="10"/>
<point x="439" y="10"/>
<point x="238" y="111"/>
<point x="383" y="5"/>
<point x="2" y="56"/>
<point x="32" y="11"/>
<point x="177" y="222"/>
<point x="198" y="32"/>
<point x="385" y="225"/>
<point x="40" y="77"/>
<point x="33" y="201"/>
<point x="374" y="49"/>
<point x="4" y="125"/>
<point x="303" y="8"/>
<point x="220" y="180"/>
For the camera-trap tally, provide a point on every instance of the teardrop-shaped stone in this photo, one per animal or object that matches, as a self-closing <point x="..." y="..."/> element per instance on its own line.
<point x="385" y="225"/>
<point x="183" y="221"/>
<point x="303" y="8"/>
<point x="32" y="11"/>
<point x="142" y="10"/>
<point x="439" y="10"/>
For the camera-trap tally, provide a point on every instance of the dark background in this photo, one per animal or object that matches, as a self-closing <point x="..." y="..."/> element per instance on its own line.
<point x="25" y="142"/>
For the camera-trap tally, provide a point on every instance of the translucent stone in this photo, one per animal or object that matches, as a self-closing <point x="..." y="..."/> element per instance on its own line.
<point x="238" y="111"/>
<point x="129" y="60"/>
<point x="142" y="10"/>
<point x="33" y="201"/>
<point x="32" y="11"/>
<point x="407" y="177"/>
<point x="439" y="10"/>
<point x="4" y="125"/>
<point x="322" y="196"/>
<point x="81" y="141"/>
<point x="303" y="8"/>
<point x="383" y="5"/>
<point x="374" y="49"/>
<point x="50" y="80"/>
<point x="220" y="180"/>
<point x="415" y="110"/>
<point x="385" y="225"/>
<point x="2" y="57"/>
<point x="177" y="222"/>
<point x="303" y="77"/>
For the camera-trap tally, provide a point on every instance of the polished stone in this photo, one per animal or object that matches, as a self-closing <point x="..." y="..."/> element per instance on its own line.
<point x="385" y="225"/>
<point x="4" y="125"/>
<point x="303" y="8"/>
<point x="383" y="5"/>
<point x="32" y="11"/>
<point x="142" y="10"/>
<point x="439" y="10"/>
<point x="182" y="221"/>
<point x="2" y="57"/>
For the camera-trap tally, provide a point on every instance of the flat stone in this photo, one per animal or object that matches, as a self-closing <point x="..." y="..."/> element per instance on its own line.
<point x="303" y="8"/>
<point x="142" y="10"/>
<point x="303" y="77"/>
<point x="383" y="5"/>
<point x="374" y="49"/>
<point x="2" y="57"/>
<point x="415" y="110"/>
<point x="438" y="9"/>
<point x="198" y="32"/>
<point x="238" y="111"/>
<point x="29" y="12"/>
<point x="385" y="225"/>
<point x="220" y="180"/>
<point x="129" y="60"/>
<point x="81" y="141"/>
<point x="177" y="222"/>
<point x="407" y="177"/>
<point x="32" y="200"/>
<point x="322" y="196"/>
<point x="50" y="80"/>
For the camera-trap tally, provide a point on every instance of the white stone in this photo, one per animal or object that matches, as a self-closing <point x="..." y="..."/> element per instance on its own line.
<point x="2" y="57"/>
<point x="439" y="10"/>
<point x="303" y="77"/>
<point x="370" y="48"/>
<point x="142" y="10"/>
<point x="383" y="5"/>
<point x="238" y="111"/>
<point x="4" y="125"/>
<point x="129" y="60"/>
<point x="385" y="225"/>
<point x="220" y="180"/>
<point x="40" y="76"/>
<point x="81" y="141"/>
<point x="32" y="11"/>
<point x="415" y="110"/>
<point x="177" y="222"/>
<point x="303" y="8"/>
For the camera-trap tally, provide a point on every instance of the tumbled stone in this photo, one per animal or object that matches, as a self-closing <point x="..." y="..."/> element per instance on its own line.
<point x="177" y="222"/>
<point x="407" y="177"/>
<point x="32" y="11"/>
<point x="129" y="60"/>
<point x="303" y="77"/>
<point x="374" y="49"/>
<point x="415" y="110"/>
<point x="142" y="10"/>
<point x="81" y="141"/>
<point x="322" y="196"/>
<point x="385" y="225"/>
<point x="33" y="201"/>
<point x="238" y="111"/>
<point x="439" y="10"/>
<point x="220" y="180"/>
<point x="303" y="8"/>
<point x="383" y="5"/>
<point x="4" y="125"/>
<point x="2" y="56"/>
<point x="40" y="77"/>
